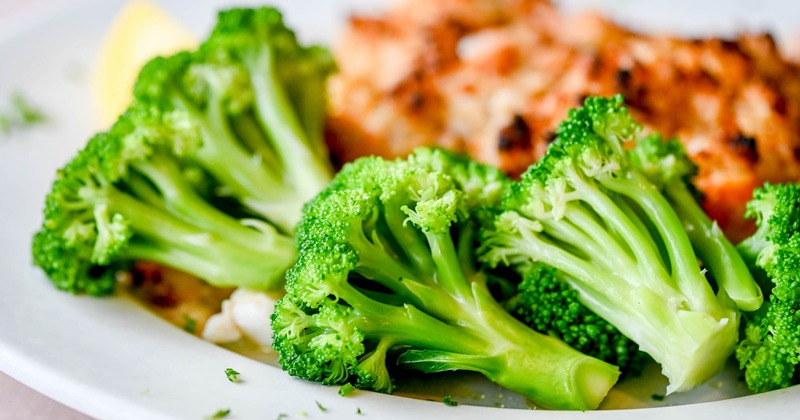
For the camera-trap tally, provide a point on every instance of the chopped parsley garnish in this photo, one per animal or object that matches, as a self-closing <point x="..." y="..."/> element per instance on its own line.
<point x="232" y="375"/>
<point x="20" y="115"/>
<point x="321" y="407"/>
<point x="189" y="324"/>
<point x="282" y="416"/>
<point x="5" y="123"/>
<point x="221" y="414"/>
<point x="346" y="389"/>
<point x="657" y="397"/>
<point x="358" y="411"/>
<point x="26" y="112"/>
<point x="448" y="400"/>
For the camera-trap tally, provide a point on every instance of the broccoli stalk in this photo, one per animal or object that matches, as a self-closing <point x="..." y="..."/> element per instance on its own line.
<point x="386" y="269"/>
<point x="770" y="352"/>
<point x="586" y="211"/>
<point x="665" y="163"/>
<point x="206" y="172"/>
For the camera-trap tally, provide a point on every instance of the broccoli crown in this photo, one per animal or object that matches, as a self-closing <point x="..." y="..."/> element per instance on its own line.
<point x="586" y="210"/>
<point x="386" y="270"/>
<point x="206" y="172"/>
<point x="126" y="197"/>
<point x="662" y="161"/>
<point x="770" y="351"/>
<point x="253" y="99"/>
<point x="76" y="234"/>
<point x="549" y="305"/>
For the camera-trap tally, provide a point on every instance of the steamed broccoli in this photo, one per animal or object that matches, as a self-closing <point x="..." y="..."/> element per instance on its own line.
<point x="126" y="197"/>
<point x="256" y="100"/>
<point x="585" y="210"/>
<point x="770" y="352"/>
<point x="386" y="272"/>
<point x="547" y="303"/>
<point x="206" y="172"/>
<point x="666" y="165"/>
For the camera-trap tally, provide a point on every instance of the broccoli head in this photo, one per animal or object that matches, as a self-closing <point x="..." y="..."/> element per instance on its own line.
<point x="769" y="354"/>
<point x="386" y="272"/>
<point x="126" y="197"/>
<point x="255" y="99"/>
<point x="586" y="211"/>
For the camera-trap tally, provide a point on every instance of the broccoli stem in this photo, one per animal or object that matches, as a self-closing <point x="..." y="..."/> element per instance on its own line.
<point x="372" y="366"/>
<point x="682" y="259"/>
<point x="460" y="325"/>
<point x="715" y="250"/>
<point x="215" y="258"/>
<point x="488" y="340"/>
<point x="221" y="267"/>
<point x="309" y="173"/>
<point x="413" y="246"/>
<point x="178" y="197"/>
<point x="530" y="245"/>
<point x="643" y="248"/>
<point x="751" y="247"/>
<point x="377" y="264"/>
<point x="449" y="275"/>
<point x="236" y="168"/>
<point x="581" y="231"/>
<point x="248" y="129"/>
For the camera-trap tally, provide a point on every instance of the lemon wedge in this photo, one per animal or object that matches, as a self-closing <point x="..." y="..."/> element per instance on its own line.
<point x="139" y="32"/>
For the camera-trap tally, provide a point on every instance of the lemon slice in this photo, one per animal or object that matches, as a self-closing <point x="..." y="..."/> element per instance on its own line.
<point x="140" y="32"/>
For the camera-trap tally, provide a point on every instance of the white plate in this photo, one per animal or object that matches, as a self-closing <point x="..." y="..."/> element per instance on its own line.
<point x="110" y="358"/>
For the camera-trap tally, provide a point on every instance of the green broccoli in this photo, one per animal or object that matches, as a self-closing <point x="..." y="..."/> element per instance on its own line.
<point x="770" y="352"/>
<point x="585" y="210"/>
<point x="206" y="172"/>
<point x="126" y="197"/>
<point x="548" y="304"/>
<point x="386" y="272"/>
<point x="666" y="165"/>
<point x="256" y="98"/>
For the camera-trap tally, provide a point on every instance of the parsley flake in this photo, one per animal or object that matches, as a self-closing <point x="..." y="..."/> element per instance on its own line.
<point x="232" y="375"/>
<point x="346" y="389"/>
<point x="321" y="407"/>
<point x="21" y="115"/>
<point x="221" y="414"/>
<point x="189" y="324"/>
<point x="448" y="401"/>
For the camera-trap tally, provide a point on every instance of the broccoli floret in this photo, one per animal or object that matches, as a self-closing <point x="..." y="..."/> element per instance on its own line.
<point x="586" y="211"/>
<point x="386" y="272"/>
<point x="206" y="172"/>
<point x="548" y="304"/>
<point x="770" y="352"/>
<point x="256" y="100"/>
<point x="125" y="197"/>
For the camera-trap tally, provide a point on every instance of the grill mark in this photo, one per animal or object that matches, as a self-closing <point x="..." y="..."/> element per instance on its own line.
<point x="515" y="136"/>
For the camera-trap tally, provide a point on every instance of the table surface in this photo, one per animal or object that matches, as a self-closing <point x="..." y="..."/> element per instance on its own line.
<point x="20" y="402"/>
